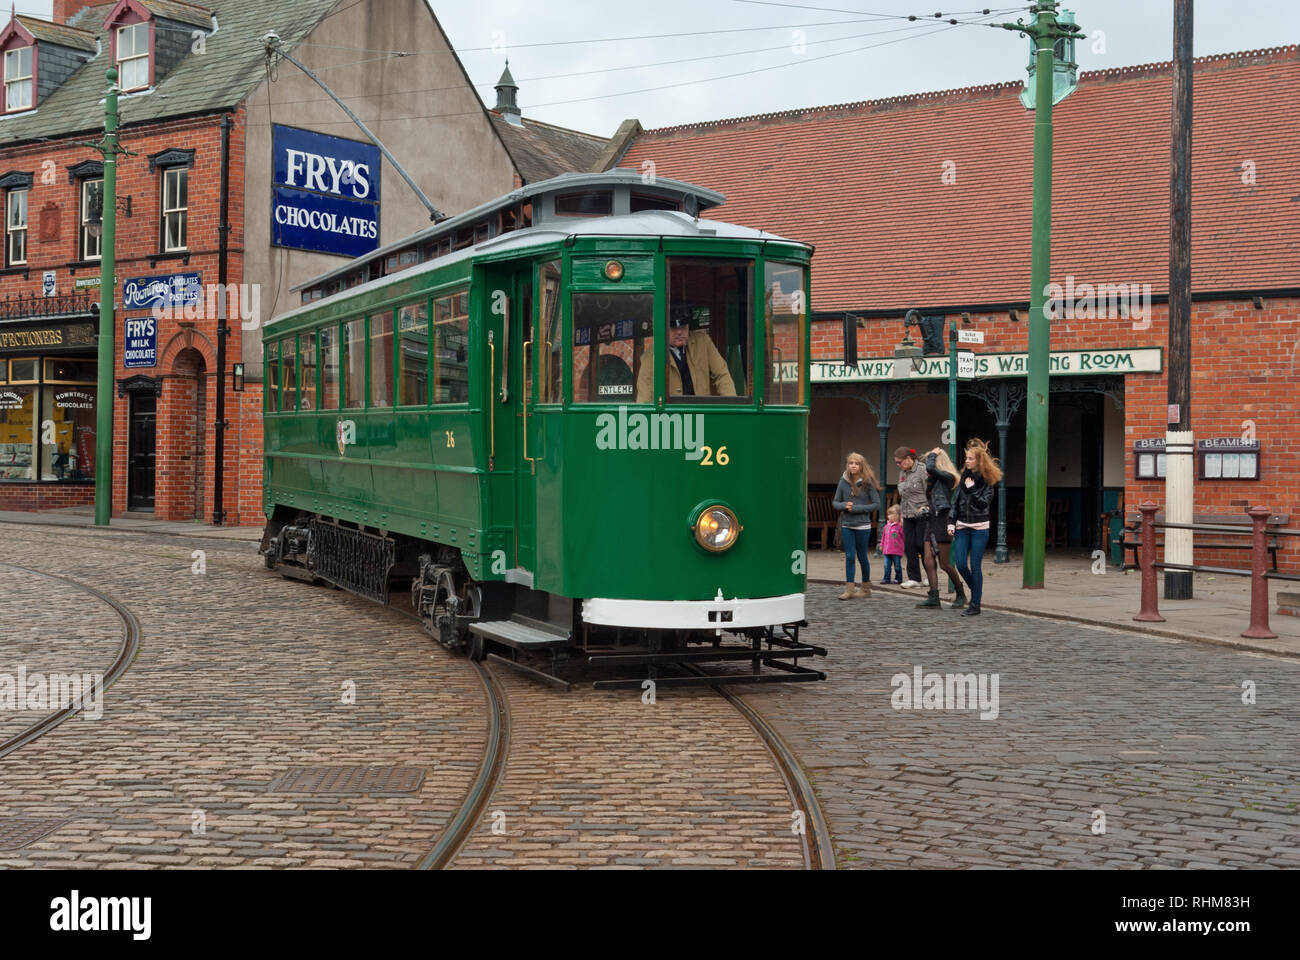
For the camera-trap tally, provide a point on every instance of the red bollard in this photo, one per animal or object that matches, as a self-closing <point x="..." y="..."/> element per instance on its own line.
<point x="1149" y="612"/>
<point x="1258" y="629"/>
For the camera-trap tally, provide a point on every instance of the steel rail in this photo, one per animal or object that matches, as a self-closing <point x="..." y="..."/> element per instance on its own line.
<point x="818" y="853"/>
<point x="126" y="654"/>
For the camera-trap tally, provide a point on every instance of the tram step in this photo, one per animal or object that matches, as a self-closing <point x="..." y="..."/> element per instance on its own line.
<point x="521" y="636"/>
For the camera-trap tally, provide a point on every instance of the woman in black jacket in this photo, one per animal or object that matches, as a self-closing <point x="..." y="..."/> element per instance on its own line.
<point x="970" y="519"/>
<point x="941" y="479"/>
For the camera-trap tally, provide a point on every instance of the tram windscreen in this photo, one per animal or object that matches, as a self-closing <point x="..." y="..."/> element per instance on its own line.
<point x="786" y="313"/>
<point x="710" y="319"/>
<point x="613" y="340"/>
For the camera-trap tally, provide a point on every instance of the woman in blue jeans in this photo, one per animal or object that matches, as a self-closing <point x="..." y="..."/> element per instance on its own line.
<point x="969" y="521"/>
<point x="857" y="498"/>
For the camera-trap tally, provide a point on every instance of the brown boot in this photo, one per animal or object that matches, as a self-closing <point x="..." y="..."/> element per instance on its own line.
<point x="848" y="591"/>
<point x="864" y="590"/>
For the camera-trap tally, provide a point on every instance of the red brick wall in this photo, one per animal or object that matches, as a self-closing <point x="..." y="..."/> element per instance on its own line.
<point x="181" y="342"/>
<point x="1245" y="374"/>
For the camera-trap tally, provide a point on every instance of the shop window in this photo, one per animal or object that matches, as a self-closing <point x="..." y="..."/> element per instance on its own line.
<point x="354" y="363"/>
<point x="92" y="208"/>
<point x="288" y="376"/>
<point x="451" y="349"/>
<point x="307" y="372"/>
<point x="17" y="416"/>
<point x="18" y="79"/>
<point x="381" y="360"/>
<point x="785" y="315"/>
<point x="61" y="370"/>
<point x="16" y="228"/>
<point x="329" y="368"/>
<point x="70" y="409"/>
<point x="588" y="203"/>
<point x="175" y="208"/>
<point x="708" y="353"/>
<point x="133" y="56"/>
<point x="413" y="362"/>
<point x="549" y="358"/>
<point x="613" y="339"/>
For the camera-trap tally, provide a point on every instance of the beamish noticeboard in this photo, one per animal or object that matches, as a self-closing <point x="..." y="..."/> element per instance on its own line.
<point x="325" y="193"/>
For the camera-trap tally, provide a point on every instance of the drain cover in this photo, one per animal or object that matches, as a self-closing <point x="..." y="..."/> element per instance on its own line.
<point x="17" y="832"/>
<point x="358" y="779"/>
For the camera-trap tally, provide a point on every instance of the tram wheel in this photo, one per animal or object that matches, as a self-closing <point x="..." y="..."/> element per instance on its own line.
<point x="474" y="647"/>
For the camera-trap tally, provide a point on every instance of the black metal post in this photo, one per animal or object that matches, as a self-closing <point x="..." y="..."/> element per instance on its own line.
<point x="1000" y="552"/>
<point x="223" y="327"/>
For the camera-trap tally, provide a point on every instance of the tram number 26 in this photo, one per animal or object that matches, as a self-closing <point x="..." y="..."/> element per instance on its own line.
<point x="711" y="456"/>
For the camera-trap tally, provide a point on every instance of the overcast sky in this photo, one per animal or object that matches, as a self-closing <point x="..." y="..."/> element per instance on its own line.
<point x="789" y="54"/>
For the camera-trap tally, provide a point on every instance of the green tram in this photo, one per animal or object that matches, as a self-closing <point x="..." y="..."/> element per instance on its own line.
<point x="572" y="422"/>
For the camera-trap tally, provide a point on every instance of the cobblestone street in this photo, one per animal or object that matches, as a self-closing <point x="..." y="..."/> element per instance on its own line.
<point x="1151" y="733"/>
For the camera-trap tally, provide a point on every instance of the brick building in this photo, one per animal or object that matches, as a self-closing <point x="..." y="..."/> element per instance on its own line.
<point x="306" y="193"/>
<point x="924" y="202"/>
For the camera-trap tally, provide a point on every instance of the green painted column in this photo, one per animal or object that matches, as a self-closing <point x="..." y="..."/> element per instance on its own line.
<point x="107" y="318"/>
<point x="1036" y="406"/>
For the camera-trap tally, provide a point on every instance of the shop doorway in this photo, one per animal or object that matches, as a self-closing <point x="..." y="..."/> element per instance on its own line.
<point x="142" y="452"/>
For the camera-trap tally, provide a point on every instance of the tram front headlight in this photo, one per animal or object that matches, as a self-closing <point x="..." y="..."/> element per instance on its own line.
<point x="716" y="528"/>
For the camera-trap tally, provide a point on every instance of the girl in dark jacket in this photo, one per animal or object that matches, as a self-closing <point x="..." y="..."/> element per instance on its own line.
<point x="857" y="498"/>
<point x="941" y="479"/>
<point x="970" y="519"/>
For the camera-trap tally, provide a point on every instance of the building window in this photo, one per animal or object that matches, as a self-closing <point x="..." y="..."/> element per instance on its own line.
<point x="92" y="214"/>
<point x="175" y="208"/>
<point x="16" y="228"/>
<point x="18" y="79"/>
<point x="133" y="56"/>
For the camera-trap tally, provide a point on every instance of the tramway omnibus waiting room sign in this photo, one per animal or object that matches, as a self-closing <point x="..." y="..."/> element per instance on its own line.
<point x="325" y="193"/>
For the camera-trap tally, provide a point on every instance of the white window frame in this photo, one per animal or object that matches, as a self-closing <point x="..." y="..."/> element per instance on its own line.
<point x="28" y="79"/>
<point x="134" y="30"/>
<point x="181" y="213"/>
<point x="13" y="230"/>
<point x="86" y="237"/>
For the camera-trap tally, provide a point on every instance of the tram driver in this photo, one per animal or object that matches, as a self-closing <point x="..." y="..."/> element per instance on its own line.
<point x="695" y="367"/>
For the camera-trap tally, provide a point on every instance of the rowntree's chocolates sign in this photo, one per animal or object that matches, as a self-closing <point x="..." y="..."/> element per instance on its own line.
<point x="325" y="193"/>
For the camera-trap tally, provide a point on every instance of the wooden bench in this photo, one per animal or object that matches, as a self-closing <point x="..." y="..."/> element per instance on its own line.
<point x="822" y="517"/>
<point x="1130" y="537"/>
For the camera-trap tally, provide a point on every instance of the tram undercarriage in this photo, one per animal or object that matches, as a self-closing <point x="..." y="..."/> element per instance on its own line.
<point x="532" y="632"/>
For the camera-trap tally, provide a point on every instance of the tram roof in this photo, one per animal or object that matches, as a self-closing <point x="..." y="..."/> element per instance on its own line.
<point x="648" y="223"/>
<point x="704" y="199"/>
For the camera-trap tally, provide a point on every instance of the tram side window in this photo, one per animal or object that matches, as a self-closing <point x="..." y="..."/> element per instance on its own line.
<point x="413" y="355"/>
<point x="273" y="378"/>
<point x="709" y="349"/>
<point x="613" y="339"/>
<point x="288" y="373"/>
<point x="329" y="368"/>
<point x="786" y="313"/>
<point x="451" y="349"/>
<point x="354" y="363"/>
<point x="307" y="388"/>
<point x="549" y="384"/>
<point x="381" y="359"/>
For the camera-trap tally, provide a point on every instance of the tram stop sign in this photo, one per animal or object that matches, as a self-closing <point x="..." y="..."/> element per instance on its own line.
<point x="965" y="366"/>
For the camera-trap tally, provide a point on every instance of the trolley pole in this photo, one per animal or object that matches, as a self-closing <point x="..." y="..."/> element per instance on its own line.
<point x="1044" y="32"/>
<point x="1179" y="495"/>
<point x="107" y="320"/>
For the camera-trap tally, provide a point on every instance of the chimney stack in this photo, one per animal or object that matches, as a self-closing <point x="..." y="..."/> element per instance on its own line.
<point x="65" y="10"/>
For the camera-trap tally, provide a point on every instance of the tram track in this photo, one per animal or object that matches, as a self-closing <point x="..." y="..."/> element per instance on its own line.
<point x="818" y="852"/>
<point x="127" y="652"/>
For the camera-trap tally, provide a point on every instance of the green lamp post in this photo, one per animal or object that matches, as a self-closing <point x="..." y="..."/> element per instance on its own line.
<point x="107" y="320"/>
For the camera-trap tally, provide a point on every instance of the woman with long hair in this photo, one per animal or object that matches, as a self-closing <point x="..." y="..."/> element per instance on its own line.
<point x="940" y="483"/>
<point x="915" y="506"/>
<point x="969" y="521"/>
<point x="857" y="498"/>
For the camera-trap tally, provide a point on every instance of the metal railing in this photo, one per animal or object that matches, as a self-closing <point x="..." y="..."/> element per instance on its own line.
<point x="1260" y="531"/>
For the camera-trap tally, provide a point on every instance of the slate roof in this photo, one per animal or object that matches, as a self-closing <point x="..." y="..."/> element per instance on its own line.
<point x="541" y="151"/>
<point x="222" y="77"/>
<point x="58" y="33"/>
<point x="864" y="183"/>
<point x="182" y="12"/>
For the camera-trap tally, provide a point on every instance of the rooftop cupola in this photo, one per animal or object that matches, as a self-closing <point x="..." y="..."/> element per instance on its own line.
<point x="507" y="104"/>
